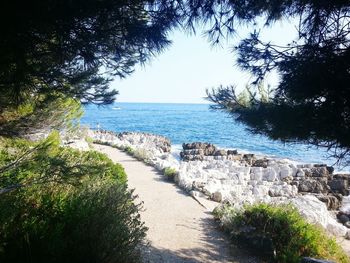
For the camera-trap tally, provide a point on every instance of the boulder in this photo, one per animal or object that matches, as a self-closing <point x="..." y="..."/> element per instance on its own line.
<point x="192" y="157"/>
<point x="194" y="145"/>
<point x="316" y="212"/>
<point x="220" y="153"/>
<point x="345" y="208"/>
<point x="260" y="163"/>
<point x="309" y="185"/>
<point x="196" y="151"/>
<point x="332" y="202"/>
<point x="144" y="140"/>
<point x="248" y="158"/>
<point x="277" y="191"/>
<point x="269" y="174"/>
<point x="343" y="218"/>
<point x="193" y="152"/>
<point x="342" y="176"/>
<point x="236" y="157"/>
<point x="232" y="152"/>
<point x="286" y="173"/>
<point x="330" y="169"/>
<point x="339" y="186"/>
<point x="260" y="190"/>
<point x="300" y="173"/>
<point x="210" y="150"/>
<point x="199" y="145"/>
<point x="319" y="171"/>
<point x="295" y="182"/>
<point x="217" y="196"/>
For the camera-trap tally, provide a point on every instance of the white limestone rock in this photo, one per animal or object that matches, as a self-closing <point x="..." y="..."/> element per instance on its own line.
<point x="260" y="190"/>
<point x="269" y="174"/>
<point x="231" y="180"/>
<point x="316" y="212"/>
<point x="285" y="172"/>
<point x="345" y="208"/>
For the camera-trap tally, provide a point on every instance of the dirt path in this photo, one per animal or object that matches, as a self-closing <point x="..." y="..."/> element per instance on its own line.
<point x="180" y="229"/>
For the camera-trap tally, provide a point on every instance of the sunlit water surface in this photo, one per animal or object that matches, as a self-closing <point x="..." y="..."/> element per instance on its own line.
<point x="196" y="122"/>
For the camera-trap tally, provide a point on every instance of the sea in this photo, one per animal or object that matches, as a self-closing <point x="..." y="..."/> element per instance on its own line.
<point x="183" y="123"/>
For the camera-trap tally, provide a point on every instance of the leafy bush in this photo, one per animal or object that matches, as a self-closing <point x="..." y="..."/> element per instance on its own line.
<point x="129" y="150"/>
<point x="23" y="163"/>
<point x="170" y="173"/>
<point x="141" y="155"/>
<point x="62" y="205"/>
<point x="281" y="228"/>
<point x="102" y="143"/>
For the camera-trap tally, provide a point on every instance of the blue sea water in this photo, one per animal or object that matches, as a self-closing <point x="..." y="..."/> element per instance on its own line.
<point x="195" y="122"/>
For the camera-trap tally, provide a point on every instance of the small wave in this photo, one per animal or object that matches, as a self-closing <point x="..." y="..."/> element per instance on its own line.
<point x="116" y="108"/>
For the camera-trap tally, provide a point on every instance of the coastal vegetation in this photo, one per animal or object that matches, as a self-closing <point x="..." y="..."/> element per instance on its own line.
<point x="129" y="150"/>
<point x="57" y="203"/>
<point x="40" y="114"/>
<point x="170" y="173"/>
<point x="138" y="153"/>
<point x="279" y="232"/>
<point x="141" y="155"/>
<point x="64" y="204"/>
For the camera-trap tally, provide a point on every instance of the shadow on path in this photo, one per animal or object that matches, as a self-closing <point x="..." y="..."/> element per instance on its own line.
<point x="212" y="241"/>
<point x="179" y="228"/>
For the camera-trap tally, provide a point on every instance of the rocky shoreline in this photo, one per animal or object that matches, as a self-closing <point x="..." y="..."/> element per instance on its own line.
<point x="227" y="176"/>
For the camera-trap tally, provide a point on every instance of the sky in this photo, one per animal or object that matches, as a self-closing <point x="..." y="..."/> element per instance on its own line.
<point x="183" y="72"/>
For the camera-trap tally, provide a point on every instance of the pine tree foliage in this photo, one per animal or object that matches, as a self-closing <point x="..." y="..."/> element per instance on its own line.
<point x="41" y="115"/>
<point x="76" y="47"/>
<point x="312" y="101"/>
<point x="58" y="50"/>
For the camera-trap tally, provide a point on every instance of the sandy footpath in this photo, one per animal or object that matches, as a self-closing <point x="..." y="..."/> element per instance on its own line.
<point x="180" y="229"/>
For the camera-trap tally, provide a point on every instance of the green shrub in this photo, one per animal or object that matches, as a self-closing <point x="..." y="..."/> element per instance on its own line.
<point x="101" y="142"/>
<point x="65" y="206"/>
<point x="141" y="155"/>
<point x="89" y="140"/>
<point x="129" y="150"/>
<point x="46" y="161"/>
<point x="170" y="173"/>
<point x="98" y="223"/>
<point x="281" y="228"/>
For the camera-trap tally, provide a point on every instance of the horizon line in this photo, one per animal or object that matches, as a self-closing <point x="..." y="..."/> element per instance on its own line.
<point x="157" y="102"/>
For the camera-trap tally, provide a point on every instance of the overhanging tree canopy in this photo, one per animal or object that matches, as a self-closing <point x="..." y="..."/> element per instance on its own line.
<point x="312" y="102"/>
<point x="62" y="48"/>
<point x="75" y="47"/>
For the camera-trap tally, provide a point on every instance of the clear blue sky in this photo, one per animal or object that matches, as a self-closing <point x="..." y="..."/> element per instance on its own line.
<point x="183" y="72"/>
